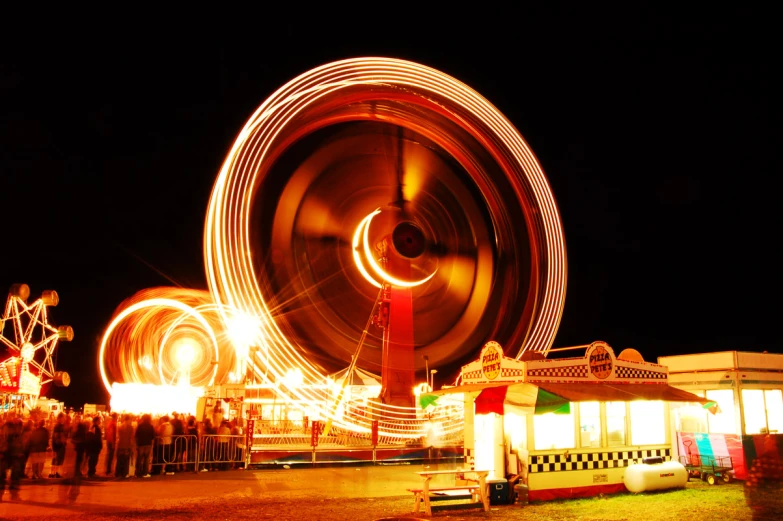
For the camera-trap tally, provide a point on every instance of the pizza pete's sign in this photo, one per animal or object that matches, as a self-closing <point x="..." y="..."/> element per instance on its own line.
<point x="600" y="360"/>
<point x="491" y="355"/>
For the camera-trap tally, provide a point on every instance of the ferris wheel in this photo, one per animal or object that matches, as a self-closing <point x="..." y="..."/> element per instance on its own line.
<point x="31" y="344"/>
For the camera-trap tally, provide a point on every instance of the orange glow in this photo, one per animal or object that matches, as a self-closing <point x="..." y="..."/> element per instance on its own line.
<point x="228" y="245"/>
<point x="154" y="322"/>
<point x="363" y="232"/>
<point x="358" y="236"/>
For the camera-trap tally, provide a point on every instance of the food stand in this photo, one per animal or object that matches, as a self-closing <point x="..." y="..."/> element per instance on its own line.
<point x="566" y="427"/>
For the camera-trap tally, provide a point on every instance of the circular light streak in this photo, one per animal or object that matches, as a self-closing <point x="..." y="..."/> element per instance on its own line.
<point x="185" y="353"/>
<point x="155" y="330"/>
<point x="363" y="231"/>
<point x="295" y="110"/>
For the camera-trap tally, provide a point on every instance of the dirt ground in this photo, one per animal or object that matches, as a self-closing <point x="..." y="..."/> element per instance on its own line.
<point x="355" y="494"/>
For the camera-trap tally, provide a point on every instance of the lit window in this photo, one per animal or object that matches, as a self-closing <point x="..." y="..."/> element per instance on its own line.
<point x="648" y="425"/>
<point x="689" y="417"/>
<point x="554" y="431"/>
<point x="724" y="421"/>
<point x="615" y="424"/>
<point x="754" y="411"/>
<point x="515" y="430"/>
<point x="763" y="411"/>
<point x="590" y="424"/>
<point x="774" y="400"/>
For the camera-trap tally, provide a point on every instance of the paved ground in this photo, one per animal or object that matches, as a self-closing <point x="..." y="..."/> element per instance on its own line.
<point x="63" y="498"/>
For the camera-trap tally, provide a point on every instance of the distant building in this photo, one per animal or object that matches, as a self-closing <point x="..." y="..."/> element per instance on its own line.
<point x="93" y="408"/>
<point x="50" y="405"/>
<point x="748" y="390"/>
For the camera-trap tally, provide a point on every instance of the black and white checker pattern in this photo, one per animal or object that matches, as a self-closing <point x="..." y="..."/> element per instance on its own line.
<point x="512" y="373"/>
<point x="635" y="373"/>
<point x="471" y="376"/>
<point x="593" y="460"/>
<point x="568" y="372"/>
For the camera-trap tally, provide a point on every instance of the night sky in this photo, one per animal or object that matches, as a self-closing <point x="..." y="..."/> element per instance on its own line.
<point x="658" y="133"/>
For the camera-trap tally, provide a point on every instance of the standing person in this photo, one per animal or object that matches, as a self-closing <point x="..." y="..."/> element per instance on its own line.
<point x="144" y="436"/>
<point x="192" y="432"/>
<point x="59" y="439"/>
<point x="124" y="446"/>
<point x="27" y="431"/>
<point x="224" y="436"/>
<point x="208" y="446"/>
<point x="94" y="445"/>
<point x="165" y="431"/>
<point x="238" y="445"/>
<point x="79" y="441"/>
<point x="111" y="441"/>
<point x="11" y="455"/>
<point x="178" y="440"/>
<point x="39" y="444"/>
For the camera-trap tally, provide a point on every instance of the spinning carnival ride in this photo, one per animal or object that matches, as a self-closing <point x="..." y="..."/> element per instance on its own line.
<point x="377" y="213"/>
<point x="31" y="343"/>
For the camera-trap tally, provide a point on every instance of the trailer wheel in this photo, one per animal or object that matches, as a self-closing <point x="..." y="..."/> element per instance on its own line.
<point x="726" y="477"/>
<point x="711" y="479"/>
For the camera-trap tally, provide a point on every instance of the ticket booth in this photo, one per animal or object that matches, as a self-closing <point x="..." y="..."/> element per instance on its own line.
<point x="566" y="427"/>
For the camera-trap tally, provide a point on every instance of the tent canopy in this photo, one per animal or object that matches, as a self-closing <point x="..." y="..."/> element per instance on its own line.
<point x="616" y="392"/>
<point x="502" y="396"/>
<point x="539" y="398"/>
<point x="357" y="377"/>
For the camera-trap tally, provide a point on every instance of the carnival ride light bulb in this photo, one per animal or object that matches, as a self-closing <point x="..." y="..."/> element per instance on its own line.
<point x="146" y="362"/>
<point x="28" y="351"/>
<point x="421" y="388"/>
<point x="185" y="353"/>
<point x="294" y="378"/>
<point x="244" y="331"/>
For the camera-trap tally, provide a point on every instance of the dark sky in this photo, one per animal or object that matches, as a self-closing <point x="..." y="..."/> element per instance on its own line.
<point x="658" y="132"/>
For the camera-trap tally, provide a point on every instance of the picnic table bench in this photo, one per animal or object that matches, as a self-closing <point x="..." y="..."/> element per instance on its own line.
<point x="474" y="490"/>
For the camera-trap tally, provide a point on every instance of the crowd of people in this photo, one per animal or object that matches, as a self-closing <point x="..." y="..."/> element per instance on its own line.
<point x="114" y="445"/>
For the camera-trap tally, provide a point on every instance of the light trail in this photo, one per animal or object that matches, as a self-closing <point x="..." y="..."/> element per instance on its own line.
<point x="165" y="335"/>
<point x="228" y="246"/>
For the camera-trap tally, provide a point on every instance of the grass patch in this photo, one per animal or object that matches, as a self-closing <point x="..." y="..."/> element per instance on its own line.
<point x="698" y="501"/>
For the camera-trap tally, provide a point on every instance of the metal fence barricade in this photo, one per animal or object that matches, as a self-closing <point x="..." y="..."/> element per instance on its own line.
<point x="221" y="452"/>
<point x="181" y="455"/>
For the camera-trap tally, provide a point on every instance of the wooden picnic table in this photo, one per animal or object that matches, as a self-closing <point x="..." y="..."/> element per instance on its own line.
<point x="477" y="492"/>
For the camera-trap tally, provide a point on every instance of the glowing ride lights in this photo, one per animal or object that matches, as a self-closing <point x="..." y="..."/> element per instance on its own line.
<point x="294" y="110"/>
<point x="303" y="106"/>
<point x="362" y="231"/>
<point x="171" y="340"/>
<point x="32" y="344"/>
<point x="244" y="332"/>
<point x="185" y="354"/>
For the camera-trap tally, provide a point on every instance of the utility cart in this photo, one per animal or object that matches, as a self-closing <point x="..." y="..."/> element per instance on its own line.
<point x="708" y="468"/>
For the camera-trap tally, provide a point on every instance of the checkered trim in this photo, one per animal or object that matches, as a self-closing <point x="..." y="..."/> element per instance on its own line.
<point x="623" y="372"/>
<point x="509" y="372"/>
<point x="472" y="375"/>
<point x="569" y="371"/>
<point x="593" y="460"/>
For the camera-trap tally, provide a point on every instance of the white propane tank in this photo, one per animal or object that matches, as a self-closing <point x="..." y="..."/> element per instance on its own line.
<point x="655" y="476"/>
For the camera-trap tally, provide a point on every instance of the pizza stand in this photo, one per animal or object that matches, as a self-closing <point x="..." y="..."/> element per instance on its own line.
<point x="569" y="427"/>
